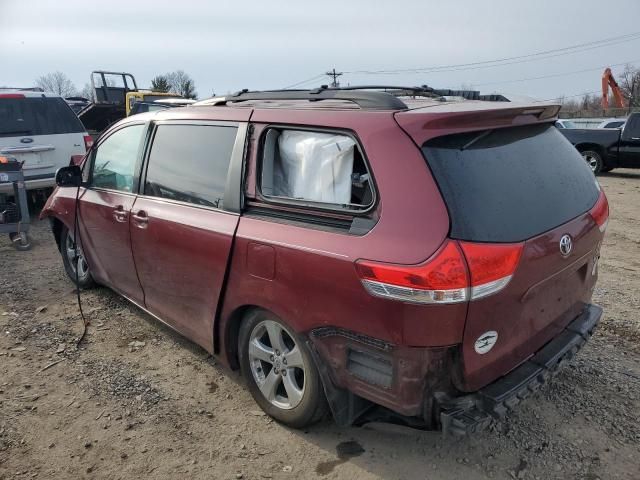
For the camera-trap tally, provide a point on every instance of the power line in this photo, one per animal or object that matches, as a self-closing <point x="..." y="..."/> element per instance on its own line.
<point x="555" y="75"/>
<point x="509" y="60"/>
<point x="317" y="77"/>
<point x="305" y="81"/>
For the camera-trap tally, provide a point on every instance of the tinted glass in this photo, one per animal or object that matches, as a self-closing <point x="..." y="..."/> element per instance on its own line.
<point x="189" y="163"/>
<point x="507" y="185"/>
<point x="37" y="116"/>
<point x="115" y="160"/>
<point x="632" y="127"/>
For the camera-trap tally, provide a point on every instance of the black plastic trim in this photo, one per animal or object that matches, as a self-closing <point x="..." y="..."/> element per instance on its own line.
<point x="473" y="412"/>
<point x="365" y="99"/>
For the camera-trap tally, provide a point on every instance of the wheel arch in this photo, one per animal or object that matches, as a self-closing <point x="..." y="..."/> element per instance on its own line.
<point x="582" y="147"/>
<point x="226" y="334"/>
<point x="56" y="227"/>
<point x="227" y="331"/>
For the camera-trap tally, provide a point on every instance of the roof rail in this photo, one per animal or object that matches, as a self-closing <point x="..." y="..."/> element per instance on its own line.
<point x="369" y="97"/>
<point x="365" y="99"/>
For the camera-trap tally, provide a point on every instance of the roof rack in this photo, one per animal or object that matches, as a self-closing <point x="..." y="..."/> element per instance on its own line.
<point x="368" y="97"/>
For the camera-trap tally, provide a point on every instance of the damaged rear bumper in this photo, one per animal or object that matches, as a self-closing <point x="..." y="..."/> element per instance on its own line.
<point x="469" y="413"/>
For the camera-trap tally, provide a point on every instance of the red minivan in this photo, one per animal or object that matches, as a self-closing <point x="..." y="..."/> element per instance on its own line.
<point x="379" y="255"/>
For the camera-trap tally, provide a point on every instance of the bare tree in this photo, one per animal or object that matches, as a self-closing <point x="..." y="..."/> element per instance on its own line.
<point x="56" y="82"/>
<point x="629" y="83"/>
<point x="86" y="92"/>
<point x="181" y="83"/>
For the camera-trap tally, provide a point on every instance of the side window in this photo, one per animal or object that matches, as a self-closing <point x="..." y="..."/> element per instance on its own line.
<point x="115" y="159"/>
<point x="315" y="167"/>
<point x="189" y="163"/>
<point x="632" y="127"/>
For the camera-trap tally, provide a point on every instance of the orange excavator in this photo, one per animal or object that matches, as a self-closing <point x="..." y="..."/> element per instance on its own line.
<point x="609" y="81"/>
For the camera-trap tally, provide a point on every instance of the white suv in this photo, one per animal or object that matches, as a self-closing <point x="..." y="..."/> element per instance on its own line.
<point x="41" y="130"/>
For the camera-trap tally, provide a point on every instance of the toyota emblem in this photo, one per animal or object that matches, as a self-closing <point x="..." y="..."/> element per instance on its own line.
<point x="566" y="244"/>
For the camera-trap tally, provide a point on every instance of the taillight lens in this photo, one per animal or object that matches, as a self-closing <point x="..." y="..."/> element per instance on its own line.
<point x="88" y="142"/>
<point x="458" y="272"/>
<point x="600" y="212"/>
<point x="491" y="265"/>
<point x="11" y="95"/>
<point x="441" y="279"/>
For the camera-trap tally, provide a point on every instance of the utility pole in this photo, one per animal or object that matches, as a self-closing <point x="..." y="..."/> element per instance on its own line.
<point x="631" y="93"/>
<point x="335" y="76"/>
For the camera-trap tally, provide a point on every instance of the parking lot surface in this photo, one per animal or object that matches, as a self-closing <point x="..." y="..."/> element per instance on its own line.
<point x="138" y="401"/>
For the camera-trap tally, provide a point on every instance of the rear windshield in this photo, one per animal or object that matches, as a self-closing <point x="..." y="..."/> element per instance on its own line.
<point x="37" y="116"/>
<point x="508" y="185"/>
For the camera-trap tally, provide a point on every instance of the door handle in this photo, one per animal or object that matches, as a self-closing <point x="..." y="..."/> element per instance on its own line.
<point x="119" y="214"/>
<point x="635" y="138"/>
<point x="140" y="219"/>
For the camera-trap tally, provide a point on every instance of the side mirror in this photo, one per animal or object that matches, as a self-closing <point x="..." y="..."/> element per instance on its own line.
<point x="76" y="160"/>
<point x="70" y="176"/>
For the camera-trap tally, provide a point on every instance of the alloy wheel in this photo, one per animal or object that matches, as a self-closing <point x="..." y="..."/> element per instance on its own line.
<point x="591" y="161"/>
<point x="78" y="264"/>
<point x="277" y="364"/>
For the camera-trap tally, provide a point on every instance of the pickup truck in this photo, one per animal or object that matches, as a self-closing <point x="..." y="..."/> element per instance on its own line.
<point x="607" y="148"/>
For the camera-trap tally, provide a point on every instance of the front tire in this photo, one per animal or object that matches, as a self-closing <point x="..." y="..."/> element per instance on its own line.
<point x="71" y="262"/>
<point x="594" y="160"/>
<point x="279" y="370"/>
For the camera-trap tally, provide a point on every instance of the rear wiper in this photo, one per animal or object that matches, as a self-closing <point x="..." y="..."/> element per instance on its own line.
<point x="484" y="134"/>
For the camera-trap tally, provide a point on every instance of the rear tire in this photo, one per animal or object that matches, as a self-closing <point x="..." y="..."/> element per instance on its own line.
<point x="279" y="370"/>
<point x="594" y="160"/>
<point x="85" y="280"/>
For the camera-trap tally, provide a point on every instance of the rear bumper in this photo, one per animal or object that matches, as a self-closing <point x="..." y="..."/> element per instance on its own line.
<point x="468" y="413"/>
<point x="359" y="372"/>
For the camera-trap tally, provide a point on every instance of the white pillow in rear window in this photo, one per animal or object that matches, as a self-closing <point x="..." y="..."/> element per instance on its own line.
<point x="314" y="166"/>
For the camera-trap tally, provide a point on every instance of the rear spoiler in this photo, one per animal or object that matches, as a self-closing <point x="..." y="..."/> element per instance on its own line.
<point x="422" y="124"/>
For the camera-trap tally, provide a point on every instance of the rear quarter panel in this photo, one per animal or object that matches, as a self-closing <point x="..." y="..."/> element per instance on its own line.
<point x="313" y="281"/>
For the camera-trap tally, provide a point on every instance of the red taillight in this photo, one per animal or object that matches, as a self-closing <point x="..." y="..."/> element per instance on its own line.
<point x="600" y="212"/>
<point x="11" y="95"/>
<point x="88" y="142"/>
<point x="441" y="279"/>
<point x="491" y="265"/>
<point x="452" y="275"/>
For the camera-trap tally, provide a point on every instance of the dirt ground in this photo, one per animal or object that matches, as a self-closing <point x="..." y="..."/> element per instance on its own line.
<point x="138" y="401"/>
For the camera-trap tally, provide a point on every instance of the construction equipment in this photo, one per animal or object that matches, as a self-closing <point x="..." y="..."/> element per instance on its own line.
<point x="14" y="211"/>
<point x="114" y="95"/>
<point x="609" y="81"/>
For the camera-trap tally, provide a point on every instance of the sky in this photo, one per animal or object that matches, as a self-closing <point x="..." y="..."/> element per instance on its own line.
<point x="229" y="45"/>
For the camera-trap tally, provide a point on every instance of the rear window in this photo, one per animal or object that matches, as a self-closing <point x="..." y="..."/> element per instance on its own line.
<point x="37" y="116"/>
<point x="508" y="185"/>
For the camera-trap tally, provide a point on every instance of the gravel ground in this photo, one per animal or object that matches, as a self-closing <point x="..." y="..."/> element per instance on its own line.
<point x="137" y="400"/>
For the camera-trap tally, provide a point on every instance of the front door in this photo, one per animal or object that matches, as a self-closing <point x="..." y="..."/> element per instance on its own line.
<point x="105" y="208"/>
<point x="181" y="232"/>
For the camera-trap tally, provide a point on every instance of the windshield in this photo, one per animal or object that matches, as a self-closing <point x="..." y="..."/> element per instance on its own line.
<point x="568" y="124"/>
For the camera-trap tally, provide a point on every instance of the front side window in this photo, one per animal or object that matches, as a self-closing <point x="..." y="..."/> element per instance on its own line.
<point x="321" y="168"/>
<point x="115" y="159"/>
<point x="189" y="163"/>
